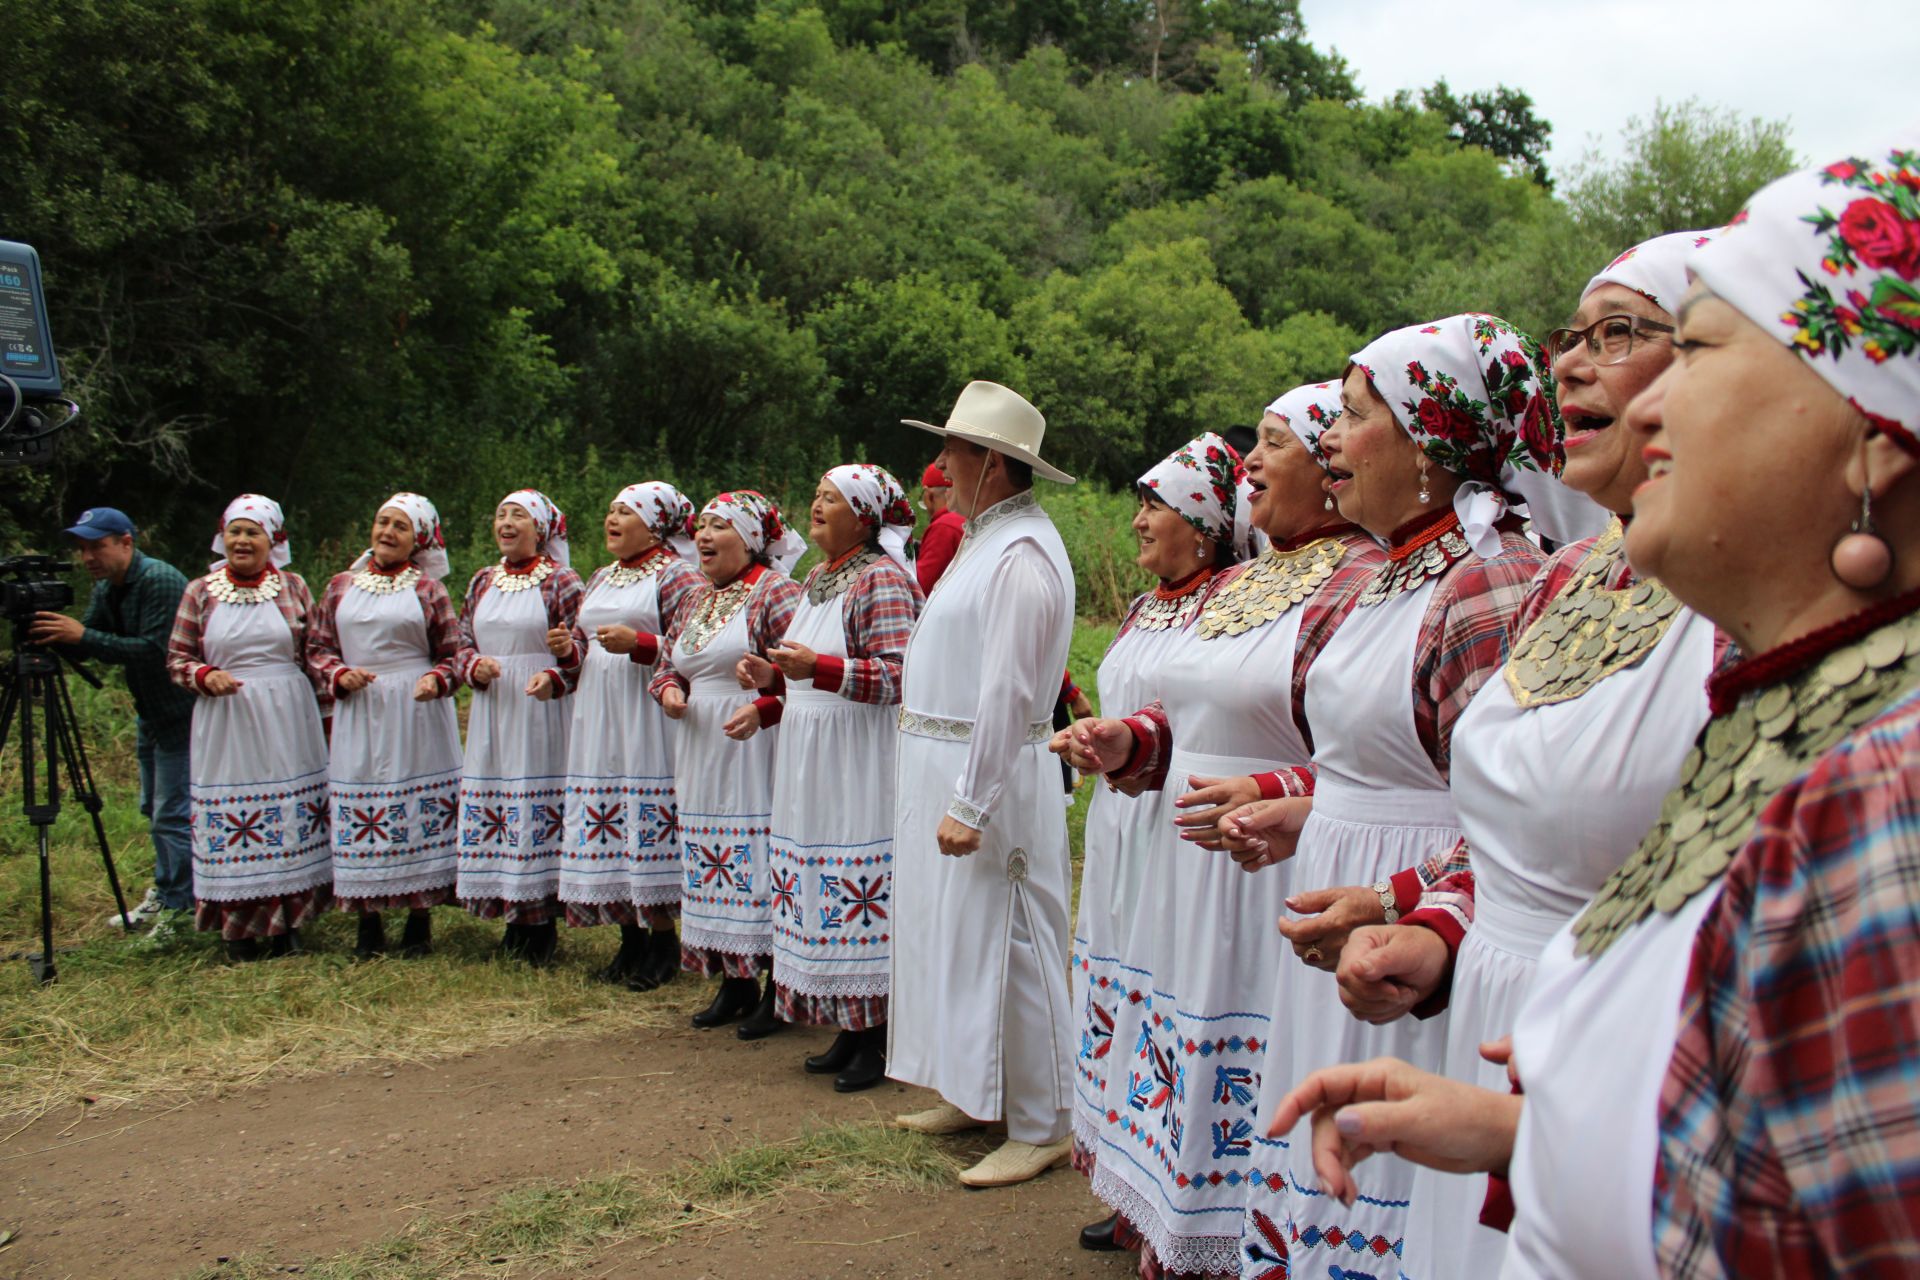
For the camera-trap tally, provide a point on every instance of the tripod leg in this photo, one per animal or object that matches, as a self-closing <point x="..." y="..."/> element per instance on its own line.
<point x="42" y="817"/>
<point x="73" y="753"/>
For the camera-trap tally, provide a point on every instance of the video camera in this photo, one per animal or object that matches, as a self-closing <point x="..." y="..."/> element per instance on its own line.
<point x="30" y="585"/>
<point x="28" y="367"/>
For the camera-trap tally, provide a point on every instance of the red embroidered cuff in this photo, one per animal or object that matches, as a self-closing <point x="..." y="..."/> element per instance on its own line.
<point x="200" y="676"/>
<point x="1448" y="927"/>
<point x="770" y="709"/>
<point x="1283" y="784"/>
<point x="441" y="679"/>
<point x="572" y="661"/>
<point x="646" y="648"/>
<point x="828" y="672"/>
<point x="559" y="681"/>
<point x="1143" y="745"/>
<point x="1406" y="889"/>
<point x="333" y="681"/>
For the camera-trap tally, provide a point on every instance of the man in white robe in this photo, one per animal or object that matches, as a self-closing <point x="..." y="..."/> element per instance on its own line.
<point x="982" y="879"/>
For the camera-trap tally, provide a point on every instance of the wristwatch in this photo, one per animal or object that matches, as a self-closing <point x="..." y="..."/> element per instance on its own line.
<point x="1387" y="908"/>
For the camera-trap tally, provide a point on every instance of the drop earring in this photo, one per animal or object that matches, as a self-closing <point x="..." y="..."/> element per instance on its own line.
<point x="1861" y="559"/>
<point x="1329" y="502"/>
<point x="1425" y="496"/>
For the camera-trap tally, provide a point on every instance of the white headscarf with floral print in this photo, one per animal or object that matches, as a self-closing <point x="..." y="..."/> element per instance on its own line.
<point x="1828" y="261"/>
<point x="1308" y="411"/>
<point x="757" y="520"/>
<point x="667" y="511"/>
<point x="877" y="498"/>
<point x="1655" y="269"/>
<point x="429" y="542"/>
<point x="263" y="511"/>
<point x="1475" y="394"/>
<point x="549" y="522"/>
<point x="1204" y="481"/>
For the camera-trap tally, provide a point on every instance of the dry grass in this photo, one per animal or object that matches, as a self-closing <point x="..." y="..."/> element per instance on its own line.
<point x="557" y="1227"/>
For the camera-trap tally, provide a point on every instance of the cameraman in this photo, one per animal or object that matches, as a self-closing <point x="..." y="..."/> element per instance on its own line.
<point x="129" y="621"/>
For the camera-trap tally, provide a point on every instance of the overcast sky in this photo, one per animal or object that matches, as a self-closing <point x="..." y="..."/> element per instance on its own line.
<point x="1839" y="71"/>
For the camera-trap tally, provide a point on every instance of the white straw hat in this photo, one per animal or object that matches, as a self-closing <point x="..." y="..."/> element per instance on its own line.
<point x="990" y="415"/>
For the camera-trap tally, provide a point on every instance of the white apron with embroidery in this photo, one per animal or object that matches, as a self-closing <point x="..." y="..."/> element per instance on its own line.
<point x="1186" y="1143"/>
<point x="1379" y="807"/>
<point x="831" y="856"/>
<point x="259" y="767"/>
<point x="395" y="769"/>
<point x="1119" y="840"/>
<point x="726" y="799"/>
<point x="980" y="961"/>
<point x="512" y="820"/>
<point x="1552" y="800"/>
<point x="1594" y="1044"/>
<point x="622" y="843"/>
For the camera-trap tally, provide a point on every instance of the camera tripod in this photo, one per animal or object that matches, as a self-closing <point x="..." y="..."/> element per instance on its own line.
<point x="33" y="677"/>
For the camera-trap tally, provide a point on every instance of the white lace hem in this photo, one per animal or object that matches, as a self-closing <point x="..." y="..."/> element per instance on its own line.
<point x="1206" y="1255"/>
<point x="855" y="986"/>
<point x="701" y="938"/>
<point x="367" y="886"/>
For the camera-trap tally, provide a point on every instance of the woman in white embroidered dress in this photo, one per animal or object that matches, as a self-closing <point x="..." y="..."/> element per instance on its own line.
<point x="383" y="643"/>
<point x="621" y="863"/>
<point x="1199" y="961"/>
<point x="830" y="858"/>
<point x="261" y="865"/>
<point x="1560" y="764"/>
<point x="1437" y="419"/>
<point x="723" y="762"/>
<point x="513" y="783"/>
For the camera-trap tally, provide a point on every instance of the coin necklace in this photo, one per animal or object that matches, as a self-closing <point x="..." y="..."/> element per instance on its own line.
<point x="712" y="614"/>
<point x="506" y="578"/>
<point x="1430" y="553"/>
<point x="828" y="581"/>
<point x="222" y="587"/>
<point x="380" y="582"/>
<point x="1165" y="608"/>
<point x="1740" y="762"/>
<point x="1589" y="631"/>
<point x="1272" y="583"/>
<point x="642" y="567"/>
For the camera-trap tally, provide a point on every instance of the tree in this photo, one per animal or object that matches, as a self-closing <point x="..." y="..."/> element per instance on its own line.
<point x="1687" y="166"/>
<point x="1502" y="121"/>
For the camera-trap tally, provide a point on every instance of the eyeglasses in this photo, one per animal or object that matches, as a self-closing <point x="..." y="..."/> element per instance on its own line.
<point x="1609" y="340"/>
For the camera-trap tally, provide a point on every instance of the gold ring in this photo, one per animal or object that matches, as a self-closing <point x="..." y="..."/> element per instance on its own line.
<point x="1312" y="955"/>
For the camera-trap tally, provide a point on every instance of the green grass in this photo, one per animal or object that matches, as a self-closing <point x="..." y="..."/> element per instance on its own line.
<point x="557" y="1226"/>
<point x="125" y="1025"/>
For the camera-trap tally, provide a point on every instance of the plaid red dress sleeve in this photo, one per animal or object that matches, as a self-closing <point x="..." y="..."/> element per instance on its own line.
<point x="563" y="592"/>
<point x="1464" y="637"/>
<point x="468" y="654"/>
<point x="664" y="676"/>
<point x="296" y="605"/>
<point x="770" y="612"/>
<point x="878" y="613"/>
<point x="1789" y="1134"/>
<point x="324" y="663"/>
<point x="443" y="631"/>
<point x="185" y="667"/>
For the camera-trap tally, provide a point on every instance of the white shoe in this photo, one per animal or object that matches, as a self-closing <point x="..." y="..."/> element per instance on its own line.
<point x="1016" y="1162"/>
<point x="945" y="1118"/>
<point x="143" y="915"/>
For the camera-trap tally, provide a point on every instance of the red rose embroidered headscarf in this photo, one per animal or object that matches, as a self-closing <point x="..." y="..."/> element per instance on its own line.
<point x="1828" y="261"/>
<point x="667" y="511"/>
<point x="757" y="520"/>
<point x="877" y="498"/>
<point x="1475" y="394"/>
<point x="549" y="522"/>
<point x="1655" y="269"/>
<point x="263" y="511"/>
<point x="1204" y="481"/>
<point x="429" y="540"/>
<point x="1308" y="411"/>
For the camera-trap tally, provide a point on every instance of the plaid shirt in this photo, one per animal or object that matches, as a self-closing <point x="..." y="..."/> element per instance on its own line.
<point x="189" y="669"/>
<point x="877" y="613"/>
<point x="562" y="592"/>
<point x="1790" y="1116"/>
<point x="443" y="633"/>
<point x="1463" y="639"/>
<point x="676" y="586"/>
<point x="770" y="607"/>
<point x="1321" y="615"/>
<point x="129" y="626"/>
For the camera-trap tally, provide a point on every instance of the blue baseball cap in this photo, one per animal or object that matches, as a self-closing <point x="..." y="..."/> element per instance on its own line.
<point x="101" y="522"/>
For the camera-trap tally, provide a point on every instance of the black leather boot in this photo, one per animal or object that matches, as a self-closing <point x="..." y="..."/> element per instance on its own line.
<point x="837" y="1056"/>
<point x="764" y="1020"/>
<point x="626" y="962"/>
<point x="869" y="1065"/>
<point x="285" y="944"/>
<point x="373" y="936"/>
<point x="735" y="999"/>
<point x="513" y="942"/>
<point x="416" y="939"/>
<point x="542" y="941"/>
<point x="660" y="965"/>
<point x="1098" y="1236"/>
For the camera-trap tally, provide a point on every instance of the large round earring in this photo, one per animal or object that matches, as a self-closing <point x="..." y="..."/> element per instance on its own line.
<point x="1861" y="559"/>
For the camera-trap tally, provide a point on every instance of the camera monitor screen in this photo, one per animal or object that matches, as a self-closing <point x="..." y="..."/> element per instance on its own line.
<point x="26" y="348"/>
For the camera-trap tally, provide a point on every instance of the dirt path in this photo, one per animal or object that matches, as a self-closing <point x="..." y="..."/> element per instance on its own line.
<point x="304" y="1168"/>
